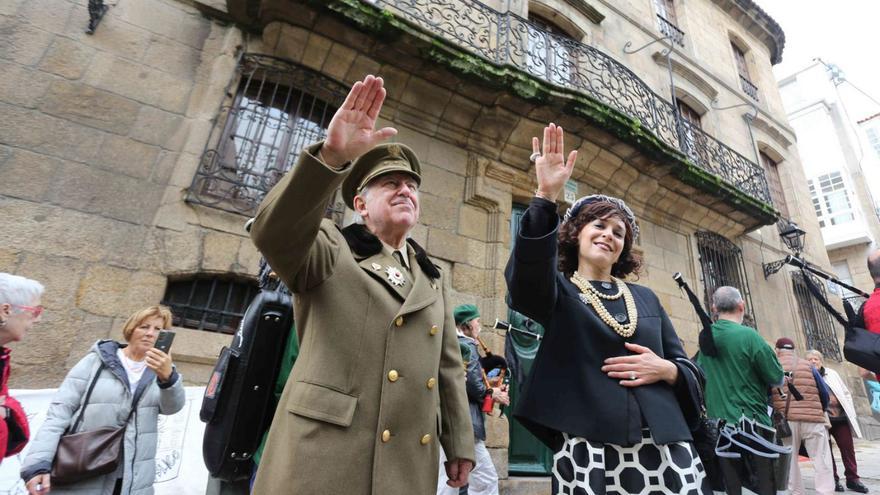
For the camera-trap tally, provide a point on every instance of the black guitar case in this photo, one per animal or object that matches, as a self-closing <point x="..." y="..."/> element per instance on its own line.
<point x="238" y="402"/>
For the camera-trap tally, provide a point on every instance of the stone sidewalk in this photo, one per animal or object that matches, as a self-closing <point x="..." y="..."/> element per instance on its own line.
<point x="868" y="457"/>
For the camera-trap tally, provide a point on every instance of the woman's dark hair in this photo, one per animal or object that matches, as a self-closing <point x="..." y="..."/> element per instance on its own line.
<point x="630" y="261"/>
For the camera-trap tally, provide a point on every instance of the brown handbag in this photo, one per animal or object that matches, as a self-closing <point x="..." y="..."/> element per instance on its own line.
<point x="87" y="454"/>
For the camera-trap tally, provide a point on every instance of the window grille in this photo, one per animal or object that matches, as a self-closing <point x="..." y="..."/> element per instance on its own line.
<point x="214" y="303"/>
<point x="278" y="108"/>
<point x="722" y="264"/>
<point x="818" y="327"/>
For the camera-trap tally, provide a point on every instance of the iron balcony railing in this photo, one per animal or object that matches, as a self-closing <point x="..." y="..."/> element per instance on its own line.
<point x="748" y="88"/>
<point x="671" y="30"/>
<point x="508" y="39"/>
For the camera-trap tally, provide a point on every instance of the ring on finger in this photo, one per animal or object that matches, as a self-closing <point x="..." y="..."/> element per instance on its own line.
<point x="534" y="156"/>
<point x="632" y="375"/>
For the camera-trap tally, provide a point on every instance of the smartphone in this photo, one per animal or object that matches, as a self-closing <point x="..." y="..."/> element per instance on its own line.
<point x="163" y="343"/>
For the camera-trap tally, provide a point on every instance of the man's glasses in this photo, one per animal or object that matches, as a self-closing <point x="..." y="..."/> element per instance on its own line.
<point x="34" y="310"/>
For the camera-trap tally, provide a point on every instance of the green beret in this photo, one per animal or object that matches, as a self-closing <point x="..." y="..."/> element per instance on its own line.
<point x="383" y="159"/>
<point x="465" y="313"/>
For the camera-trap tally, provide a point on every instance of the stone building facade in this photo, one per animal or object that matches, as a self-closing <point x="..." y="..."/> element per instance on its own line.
<point x="132" y="157"/>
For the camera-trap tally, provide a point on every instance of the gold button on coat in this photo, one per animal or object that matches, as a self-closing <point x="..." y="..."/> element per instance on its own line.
<point x="425" y="440"/>
<point x="431" y="383"/>
<point x="386" y="436"/>
<point x="399" y="321"/>
<point x="393" y="375"/>
<point x="434" y="329"/>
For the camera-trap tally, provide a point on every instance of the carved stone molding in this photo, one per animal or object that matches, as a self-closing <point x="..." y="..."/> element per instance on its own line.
<point x="771" y="131"/>
<point x="688" y="74"/>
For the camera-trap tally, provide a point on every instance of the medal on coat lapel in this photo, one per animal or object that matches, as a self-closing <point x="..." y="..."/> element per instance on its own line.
<point x="395" y="276"/>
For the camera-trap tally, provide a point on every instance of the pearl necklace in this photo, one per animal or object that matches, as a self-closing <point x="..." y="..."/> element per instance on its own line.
<point x="585" y="286"/>
<point x="588" y="296"/>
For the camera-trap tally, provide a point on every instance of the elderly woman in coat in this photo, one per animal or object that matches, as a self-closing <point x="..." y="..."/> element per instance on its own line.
<point x="844" y="424"/>
<point x="20" y="309"/>
<point x="121" y="373"/>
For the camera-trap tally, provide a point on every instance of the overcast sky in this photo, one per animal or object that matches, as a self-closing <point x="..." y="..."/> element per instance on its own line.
<point x="843" y="32"/>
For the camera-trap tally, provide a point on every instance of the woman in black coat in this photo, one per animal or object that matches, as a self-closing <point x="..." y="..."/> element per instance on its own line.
<point x="610" y="388"/>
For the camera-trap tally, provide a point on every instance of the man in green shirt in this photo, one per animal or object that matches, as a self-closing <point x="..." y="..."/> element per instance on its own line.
<point x="738" y="378"/>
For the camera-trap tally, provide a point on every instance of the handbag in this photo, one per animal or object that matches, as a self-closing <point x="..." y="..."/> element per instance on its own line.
<point x="707" y="431"/>
<point x="780" y="420"/>
<point x="87" y="454"/>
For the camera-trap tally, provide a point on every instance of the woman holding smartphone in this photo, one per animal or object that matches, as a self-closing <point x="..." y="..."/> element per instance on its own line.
<point x="101" y="390"/>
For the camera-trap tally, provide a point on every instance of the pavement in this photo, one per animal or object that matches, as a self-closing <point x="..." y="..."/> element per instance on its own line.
<point x="868" y="458"/>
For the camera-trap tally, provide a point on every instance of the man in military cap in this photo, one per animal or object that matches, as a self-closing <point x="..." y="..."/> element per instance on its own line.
<point x="484" y="477"/>
<point x="378" y="384"/>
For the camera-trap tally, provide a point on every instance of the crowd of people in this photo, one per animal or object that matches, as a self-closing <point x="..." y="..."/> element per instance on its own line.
<point x="388" y="385"/>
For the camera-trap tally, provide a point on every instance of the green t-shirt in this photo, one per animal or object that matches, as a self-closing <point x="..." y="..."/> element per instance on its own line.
<point x="738" y="378"/>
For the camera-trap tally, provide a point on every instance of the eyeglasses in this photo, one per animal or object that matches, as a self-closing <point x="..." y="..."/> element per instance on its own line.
<point x="34" y="310"/>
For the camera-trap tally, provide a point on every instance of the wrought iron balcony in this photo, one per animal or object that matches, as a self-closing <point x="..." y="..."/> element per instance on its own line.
<point x="508" y="39"/>
<point x="749" y="88"/>
<point x="669" y="29"/>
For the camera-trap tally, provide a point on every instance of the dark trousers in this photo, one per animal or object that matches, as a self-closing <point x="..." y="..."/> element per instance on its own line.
<point x="843" y="438"/>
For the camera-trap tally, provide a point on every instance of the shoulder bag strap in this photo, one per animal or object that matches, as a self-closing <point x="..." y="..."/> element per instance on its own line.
<point x="787" y="404"/>
<point x="88" y="395"/>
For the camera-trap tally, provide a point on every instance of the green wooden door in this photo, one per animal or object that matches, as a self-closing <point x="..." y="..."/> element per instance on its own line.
<point x="526" y="455"/>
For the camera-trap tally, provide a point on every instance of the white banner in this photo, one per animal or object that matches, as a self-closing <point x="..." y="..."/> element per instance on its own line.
<point x="180" y="469"/>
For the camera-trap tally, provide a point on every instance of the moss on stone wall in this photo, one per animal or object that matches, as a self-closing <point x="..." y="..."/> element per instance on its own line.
<point x="387" y="27"/>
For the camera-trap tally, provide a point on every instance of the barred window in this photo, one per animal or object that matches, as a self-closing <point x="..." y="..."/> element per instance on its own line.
<point x="277" y="109"/>
<point x="818" y="327"/>
<point x="215" y="303"/>
<point x="722" y="264"/>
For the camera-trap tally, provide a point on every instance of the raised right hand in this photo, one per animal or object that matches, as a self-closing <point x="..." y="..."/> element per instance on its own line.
<point x="39" y="484"/>
<point x="351" y="132"/>
<point x="551" y="167"/>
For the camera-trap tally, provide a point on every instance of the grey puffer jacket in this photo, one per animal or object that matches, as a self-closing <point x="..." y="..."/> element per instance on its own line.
<point x="108" y="405"/>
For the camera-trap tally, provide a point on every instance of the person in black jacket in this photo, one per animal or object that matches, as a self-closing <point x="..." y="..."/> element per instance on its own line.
<point x="608" y="391"/>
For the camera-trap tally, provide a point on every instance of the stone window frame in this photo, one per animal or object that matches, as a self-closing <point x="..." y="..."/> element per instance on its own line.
<point x="741" y="53"/>
<point x="269" y="115"/>
<point x="211" y="302"/>
<point x="818" y="327"/>
<point x="771" y="160"/>
<point x="721" y="263"/>
<point x="558" y="28"/>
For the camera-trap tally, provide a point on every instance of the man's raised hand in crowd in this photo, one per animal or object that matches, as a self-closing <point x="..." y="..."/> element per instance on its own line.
<point x="352" y="131"/>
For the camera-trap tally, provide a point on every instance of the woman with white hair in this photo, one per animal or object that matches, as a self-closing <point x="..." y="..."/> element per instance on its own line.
<point x="19" y="310"/>
<point x="842" y="415"/>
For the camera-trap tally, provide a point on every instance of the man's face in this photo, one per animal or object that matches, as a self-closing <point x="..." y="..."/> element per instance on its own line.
<point x="391" y="202"/>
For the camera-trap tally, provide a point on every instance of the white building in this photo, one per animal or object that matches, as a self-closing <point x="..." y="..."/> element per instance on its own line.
<point x="840" y="166"/>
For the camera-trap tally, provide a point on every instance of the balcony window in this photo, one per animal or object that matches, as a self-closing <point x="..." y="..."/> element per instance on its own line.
<point x="668" y="21"/>
<point x="831" y="200"/>
<point x="742" y="68"/>
<point x="214" y="303"/>
<point x="722" y="264"/>
<point x="278" y="108"/>
<point x="692" y="136"/>
<point x="774" y="183"/>
<point x="551" y="51"/>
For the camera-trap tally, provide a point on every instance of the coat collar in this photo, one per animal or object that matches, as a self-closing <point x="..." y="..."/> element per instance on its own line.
<point x="364" y="245"/>
<point x="367" y="249"/>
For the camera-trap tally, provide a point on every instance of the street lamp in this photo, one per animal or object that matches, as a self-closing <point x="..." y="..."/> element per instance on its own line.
<point x="793" y="238"/>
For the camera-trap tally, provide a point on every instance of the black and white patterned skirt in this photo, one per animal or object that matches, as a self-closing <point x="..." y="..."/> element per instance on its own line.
<point x="582" y="467"/>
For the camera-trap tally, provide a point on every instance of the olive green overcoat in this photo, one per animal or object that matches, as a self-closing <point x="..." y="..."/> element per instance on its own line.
<point x="379" y="376"/>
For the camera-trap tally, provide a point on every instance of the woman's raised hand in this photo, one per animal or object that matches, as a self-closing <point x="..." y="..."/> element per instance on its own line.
<point x="550" y="166"/>
<point x="351" y="132"/>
